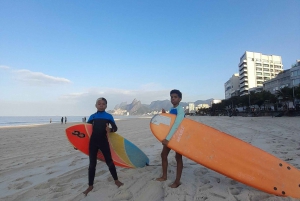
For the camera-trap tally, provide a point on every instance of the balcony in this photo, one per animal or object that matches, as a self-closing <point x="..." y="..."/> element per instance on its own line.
<point x="242" y="62"/>
<point x="244" y="85"/>
<point x="244" y="65"/>
<point x="244" y="79"/>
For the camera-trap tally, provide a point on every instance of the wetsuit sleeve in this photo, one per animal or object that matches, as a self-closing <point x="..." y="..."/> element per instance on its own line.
<point x="91" y="119"/>
<point x="112" y="122"/>
<point x="114" y="127"/>
<point x="178" y="120"/>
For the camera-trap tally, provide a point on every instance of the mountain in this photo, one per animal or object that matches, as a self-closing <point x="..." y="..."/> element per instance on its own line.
<point x="120" y="105"/>
<point x="158" y="105"/>
<point x="208" y="101"/>
<point x="137" y="108"/>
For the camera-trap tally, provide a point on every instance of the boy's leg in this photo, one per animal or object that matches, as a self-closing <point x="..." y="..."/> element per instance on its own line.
<point x="179" y="170"/>
<point x="104" y="147"/>
<point x="164" y="163"/>
<point x="93" y="150"/>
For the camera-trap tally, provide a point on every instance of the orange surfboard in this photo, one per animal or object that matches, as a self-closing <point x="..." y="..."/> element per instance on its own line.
<point x="229" y="156"/>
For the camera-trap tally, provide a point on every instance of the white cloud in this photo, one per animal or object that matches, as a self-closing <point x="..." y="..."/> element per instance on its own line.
<point x="38" y="78"/>
<point x="115" y="96"/>
<point x="4" y="67"/>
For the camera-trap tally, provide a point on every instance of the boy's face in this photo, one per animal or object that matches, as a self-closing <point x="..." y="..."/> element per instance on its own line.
<point x="175" y="100"/>
<point x="101" y="105"/>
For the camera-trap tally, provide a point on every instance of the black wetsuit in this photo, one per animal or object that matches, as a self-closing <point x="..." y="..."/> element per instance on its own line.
<point x="99" y="141"/>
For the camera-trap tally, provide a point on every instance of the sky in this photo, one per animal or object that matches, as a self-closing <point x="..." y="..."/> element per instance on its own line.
<point x="57" y="57"/>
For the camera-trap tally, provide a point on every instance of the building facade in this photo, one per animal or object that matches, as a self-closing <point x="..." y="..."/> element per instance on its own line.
<point x="288" y="78"/>
<point x="295" y="74"/>
<point x="232" y="86"/>
<point x="256" y="68"/>
<point x="282" y="80"/>
<point x="191" y="108"/>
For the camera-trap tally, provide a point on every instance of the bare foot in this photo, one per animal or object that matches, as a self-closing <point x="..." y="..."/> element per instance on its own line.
<point x="118" y="183"/>
<point x="161" y="179"/>
<point x="88" y="190"/>
<point x="175" y="185"/>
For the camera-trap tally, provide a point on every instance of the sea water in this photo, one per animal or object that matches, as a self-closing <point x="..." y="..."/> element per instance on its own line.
<point x="31" y="120"/>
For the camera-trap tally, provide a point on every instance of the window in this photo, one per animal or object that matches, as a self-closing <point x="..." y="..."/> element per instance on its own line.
<point x="258" y="73"/>
<point x="294" y="73"/>
<point x="266" y="74"/>
<point x="258" y="64"/>
<point x="296" y="82"/>
<point x="266" y="69"/>
<point x="266" y="65"/>
<point x="259" y="69"/>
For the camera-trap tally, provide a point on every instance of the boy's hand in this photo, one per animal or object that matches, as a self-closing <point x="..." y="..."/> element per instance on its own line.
<point x="163" y="111"/>
<point x="165" y="142"/>
<point x="107" y="129"/>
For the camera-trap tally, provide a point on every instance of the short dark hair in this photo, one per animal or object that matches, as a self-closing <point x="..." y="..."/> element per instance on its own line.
<point x="101" y="99"/>
<point x="176" y="91"/>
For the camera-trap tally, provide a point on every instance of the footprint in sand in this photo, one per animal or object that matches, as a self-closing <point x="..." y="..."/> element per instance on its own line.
<point x="42" y="186"/>
<point x="235" y="191"/>
<point x="204" y="181"/>
<point x="233" y="182"/>
<point x="205" y="187"/>
<point x="19" y="185"/>
<point x="202" y="198"/>
<point x="122" y="195"/>
<point x="200" y="171"/>
<point x="218" y="196"/>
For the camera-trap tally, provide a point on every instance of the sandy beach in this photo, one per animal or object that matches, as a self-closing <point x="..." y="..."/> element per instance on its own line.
<point x="38" y="163"/>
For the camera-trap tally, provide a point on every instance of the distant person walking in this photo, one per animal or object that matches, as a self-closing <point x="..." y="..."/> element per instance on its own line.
<point x="65" y="120"/>
<point x="50" y="120"/>
<point x="62" y="120"/>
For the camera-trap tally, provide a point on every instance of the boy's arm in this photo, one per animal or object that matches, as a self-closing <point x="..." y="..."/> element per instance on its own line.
<point x="178" y="120"/>
<point x="114" y="126"/>
<point x="90" y="120"/>
<point x="112" y="122"/>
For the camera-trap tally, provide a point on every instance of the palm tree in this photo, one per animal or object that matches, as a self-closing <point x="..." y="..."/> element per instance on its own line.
<point x="285" y="94"/>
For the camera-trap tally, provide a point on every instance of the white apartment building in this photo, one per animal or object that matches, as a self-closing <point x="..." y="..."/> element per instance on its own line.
<point x="256" y="68"/>
<point x="232" y="86"/>
<point x="191" y="107"/>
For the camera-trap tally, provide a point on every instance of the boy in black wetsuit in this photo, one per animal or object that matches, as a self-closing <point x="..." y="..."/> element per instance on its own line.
<point x="98" y="140"/>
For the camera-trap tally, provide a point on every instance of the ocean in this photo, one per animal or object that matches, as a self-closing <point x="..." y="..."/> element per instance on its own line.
<point x="32" y="120"/>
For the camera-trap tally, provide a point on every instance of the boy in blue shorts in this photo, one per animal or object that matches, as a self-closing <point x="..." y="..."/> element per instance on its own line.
<point x="176" y="97"/>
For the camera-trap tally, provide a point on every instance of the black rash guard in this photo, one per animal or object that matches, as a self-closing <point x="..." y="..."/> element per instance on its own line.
<point x="98" y="141"/>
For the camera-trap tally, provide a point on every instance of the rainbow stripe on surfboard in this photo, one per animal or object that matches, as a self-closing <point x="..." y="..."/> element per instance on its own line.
<point x="124" y="153"/>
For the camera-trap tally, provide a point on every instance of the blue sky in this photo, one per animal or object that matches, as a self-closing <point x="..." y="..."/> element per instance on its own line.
<point x="58" y="57"/>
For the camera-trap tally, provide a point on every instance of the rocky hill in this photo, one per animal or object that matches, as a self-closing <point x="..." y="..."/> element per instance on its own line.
<point x="137" y="108"/>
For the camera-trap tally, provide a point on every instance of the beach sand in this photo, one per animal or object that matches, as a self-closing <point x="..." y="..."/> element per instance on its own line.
<point x="38" y="163"/>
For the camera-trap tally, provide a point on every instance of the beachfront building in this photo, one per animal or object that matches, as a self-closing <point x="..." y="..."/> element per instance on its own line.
<point x="287" y="78"/>
<point x="201" y="106"/>
<point x="256" y="68"/>
<point x="215" y="101"/>
<point x="295" y="74"/>
<point x="191" y="108"/>
<point x="232" y="86"/>
<point x="282" y="80"/>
